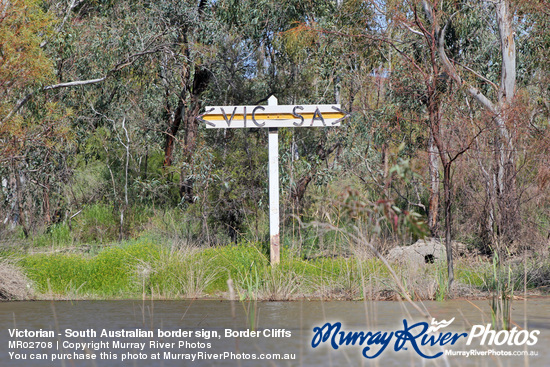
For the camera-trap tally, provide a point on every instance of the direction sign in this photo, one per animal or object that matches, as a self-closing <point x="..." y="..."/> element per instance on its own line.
<point x="273" y="116"/>
<point x="217" y="117"/>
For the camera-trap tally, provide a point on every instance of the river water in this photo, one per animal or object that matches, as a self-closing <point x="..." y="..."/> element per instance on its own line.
<point x="69" y="330"/>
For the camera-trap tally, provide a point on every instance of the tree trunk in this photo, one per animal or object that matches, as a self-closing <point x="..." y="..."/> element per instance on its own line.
<point x="46" y="205"/>
<point x="508" y="217"/>
<point x="172" y="130"/>
<point x="184" y="113"/>
<point x="433" y="206"/>
<point x="298" y="192"/>
<point x="487" y="224"/>
<point x="507" y="198"/>
<point x="448" y="221"/>
<point x="17" y="183"/>
<point x="190" y="130"/>
<point x="509" y="221"/>
<point x="508" y="51"/>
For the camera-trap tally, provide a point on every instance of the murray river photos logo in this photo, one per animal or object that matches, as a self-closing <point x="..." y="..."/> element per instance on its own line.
<point x="419" y="336"/>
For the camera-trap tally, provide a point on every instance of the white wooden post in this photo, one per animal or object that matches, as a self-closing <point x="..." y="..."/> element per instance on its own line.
<point x="274" y="237"/>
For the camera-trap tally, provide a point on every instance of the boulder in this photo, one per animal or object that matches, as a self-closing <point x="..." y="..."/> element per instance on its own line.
<point x="426" y="251"/>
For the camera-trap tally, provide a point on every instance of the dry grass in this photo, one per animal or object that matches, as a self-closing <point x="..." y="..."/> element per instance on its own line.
<point x="343" y="283"/>
<point x="14" y="285"/>
<point x="177" y="273"/>
<point x="279" y="285"/>
<point x="270" y="284"/>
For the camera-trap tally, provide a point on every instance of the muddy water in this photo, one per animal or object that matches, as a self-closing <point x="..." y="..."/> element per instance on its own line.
<point x="282" y="328"/>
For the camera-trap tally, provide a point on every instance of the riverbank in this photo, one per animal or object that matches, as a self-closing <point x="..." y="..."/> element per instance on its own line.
<point x="145" y="268"/>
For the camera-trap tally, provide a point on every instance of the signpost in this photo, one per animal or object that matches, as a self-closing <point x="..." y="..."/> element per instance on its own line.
<point x="273" y="116"/>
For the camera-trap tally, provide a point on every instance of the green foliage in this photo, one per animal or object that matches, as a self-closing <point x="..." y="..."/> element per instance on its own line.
<point x="111" y="269"/>
<point x="442" y="281"/>
<point x="23" y="63"/>
<point x="472" y="274"/>
<point x="96" y="223"/>
<point x="57" y="235"/>
<point x="178" y="273"/>
<point x="501" y="285"/>
<point x="56" y="273"/>
<point x="235" y="261"/>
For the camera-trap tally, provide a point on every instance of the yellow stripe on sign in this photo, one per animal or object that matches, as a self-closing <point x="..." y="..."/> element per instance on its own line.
<point x="281" y="116"/>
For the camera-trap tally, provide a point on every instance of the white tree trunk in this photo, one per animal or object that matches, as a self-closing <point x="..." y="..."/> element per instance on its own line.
<point x="508" y="52"/>
<point x="433" y="205"/>
<point x="505" y="151"/>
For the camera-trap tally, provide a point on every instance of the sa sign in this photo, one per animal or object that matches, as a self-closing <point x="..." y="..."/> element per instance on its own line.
<point x="219" y="117"/>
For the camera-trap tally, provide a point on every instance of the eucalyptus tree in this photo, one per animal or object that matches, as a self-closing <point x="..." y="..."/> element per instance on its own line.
<point x="323" y="66"/>
<point x="498" y="100"/>
<point x="457" y="52"/>
<point x="34" y="142"/>
<point x="474" y="44"/>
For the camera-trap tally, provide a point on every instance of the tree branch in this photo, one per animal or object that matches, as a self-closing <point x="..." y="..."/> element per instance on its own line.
<point x="451" y="70"/>
<point x="476" y="74"/>
<point x="74" y="84"/>
<point x="119" y="66"/>
<point x="25" y="99"/>
<point x="465" y="148"/>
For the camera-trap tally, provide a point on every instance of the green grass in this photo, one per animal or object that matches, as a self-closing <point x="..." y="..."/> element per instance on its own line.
<point x="471" y="274"/>
<point x="97" y="224"/>
<point x="151" y="267"/>
<point x="141" y="267"/>
<point x="57" y="235"/>
<point x="108" y="274"/>
<point x="235" y="261"/>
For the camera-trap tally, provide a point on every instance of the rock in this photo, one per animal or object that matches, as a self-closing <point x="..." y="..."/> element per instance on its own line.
<point x="427" y="251"/>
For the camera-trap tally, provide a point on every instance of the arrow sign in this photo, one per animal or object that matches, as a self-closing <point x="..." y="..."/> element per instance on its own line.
<point x="220" y="117"/>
